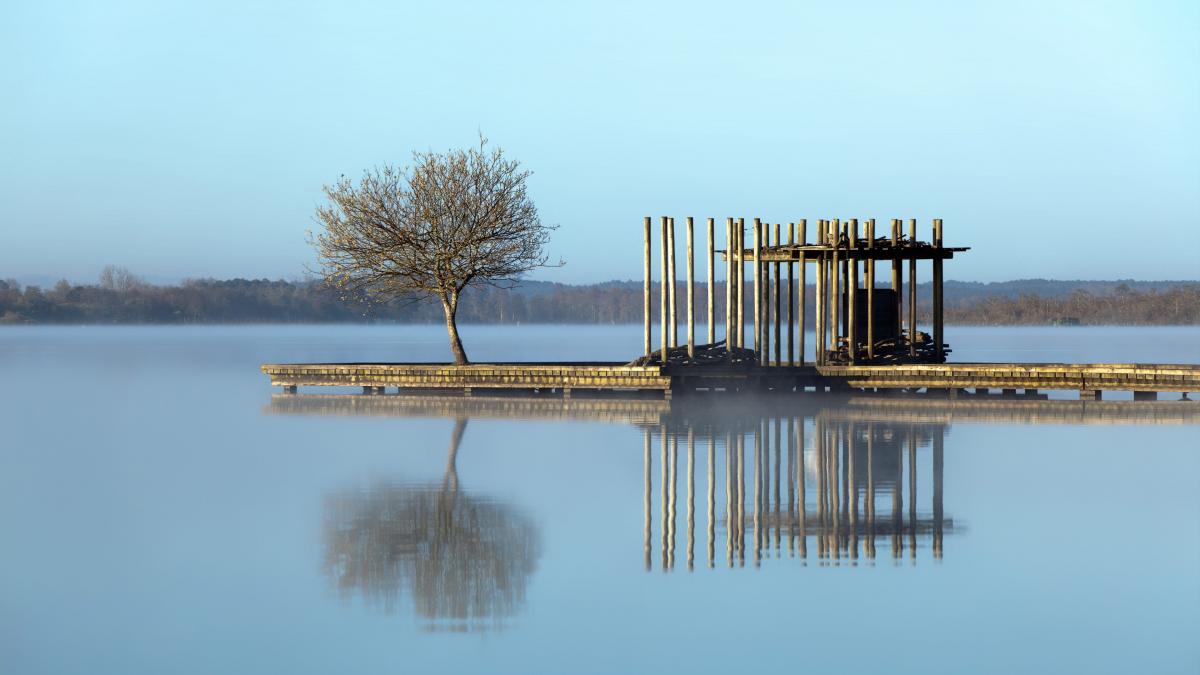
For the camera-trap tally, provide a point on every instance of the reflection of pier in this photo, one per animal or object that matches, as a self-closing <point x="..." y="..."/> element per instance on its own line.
<point x="629" y="410"/>
<point x="828" y="483"/>
<point x="644" y="411"/>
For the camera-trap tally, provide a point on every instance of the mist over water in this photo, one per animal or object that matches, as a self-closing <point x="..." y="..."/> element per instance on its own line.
<point x="164" y="510"/>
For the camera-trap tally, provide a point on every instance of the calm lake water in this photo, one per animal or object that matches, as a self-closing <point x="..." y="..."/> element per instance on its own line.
<point x="163" y="512"/>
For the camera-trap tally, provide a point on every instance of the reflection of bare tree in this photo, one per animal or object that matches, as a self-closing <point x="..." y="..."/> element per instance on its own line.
<point x="463" y="559"/>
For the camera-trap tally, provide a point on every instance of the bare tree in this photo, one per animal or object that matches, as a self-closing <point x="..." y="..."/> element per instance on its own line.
<point x="450" y="221"/>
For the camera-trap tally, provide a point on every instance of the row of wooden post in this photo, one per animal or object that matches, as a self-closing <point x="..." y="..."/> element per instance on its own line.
<point x="834" y="275"/>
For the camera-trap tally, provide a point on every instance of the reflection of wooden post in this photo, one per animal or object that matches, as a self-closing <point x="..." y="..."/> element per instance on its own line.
<point x="791" y="478"/>
<point x="851" y="448"/>
<point x="646" y="291"/>
<point x="757" y="474"/>
<point x="819" y="456"/>
<point x="663" y="302"/>
<point x="939" y="439"/>
<point x="898" y="502"/>
<point x="938" y="336"/>
<point x="778" y="439"/>
<point x="674" y="480"/>
<point x="912" y="290"/>
<point x="912" y="496"/>
<point x="729" y="472"/>
<point x="870" y="491"/>
<point x="801" y="497"/>
<point x="646" y="491"/>
<point x="711" y="291"/>
<point x="663" y="494"/>
<point x="672" y="283"/>
<point x="777" y="298"/>
<point x="835" y="477"/>
<point x="712" y="486"/>
<point x="691" y="291"/>
<point x="691" y="495"/>
<point x="741" y="498"/>
<point x="871" y="290"/>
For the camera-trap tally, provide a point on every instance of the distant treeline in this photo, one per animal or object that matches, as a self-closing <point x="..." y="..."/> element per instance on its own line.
<point x="121" y="297"/>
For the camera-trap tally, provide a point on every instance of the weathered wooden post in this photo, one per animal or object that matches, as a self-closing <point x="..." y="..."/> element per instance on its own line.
<point x="852" y="327"/>
<point x="758" y="291"/>
<point x="740" y="235"/>
<point x="646" y="290"/>
<point x="791" y="297"/>
<point x="711" y="292"/>
<point x="671" y="283"/>
<point x="777" y="299"/>
<point x="938" y="332"/>
<point x="912" y="290"/>
<point x="897" y="277"/>
<point x="802" y="289"/>
<point x="730" y="343"/>
<point x="691" y="291"/>
<point x="664" y="336"/>
<point x="871" y="290"/>
<point x="821" y="312"/>
<point x="836" y="290"/>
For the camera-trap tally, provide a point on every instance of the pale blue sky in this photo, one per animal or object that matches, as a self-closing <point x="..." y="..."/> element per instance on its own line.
<point x="1059" y="139"/>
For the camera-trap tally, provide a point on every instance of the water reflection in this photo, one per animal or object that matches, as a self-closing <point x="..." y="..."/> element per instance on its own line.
<point x="828" y="479"/>
<point x="465" y="561"/>
<point x="824" y="480"/>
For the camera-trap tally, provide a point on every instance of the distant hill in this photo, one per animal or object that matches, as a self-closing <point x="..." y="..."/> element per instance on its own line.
<point x="124" y="298"/>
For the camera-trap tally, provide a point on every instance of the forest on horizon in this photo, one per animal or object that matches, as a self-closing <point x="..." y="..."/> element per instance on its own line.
<point x="120" y="297"/>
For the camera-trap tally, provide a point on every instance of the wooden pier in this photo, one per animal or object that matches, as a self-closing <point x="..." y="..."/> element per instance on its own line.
<point x="566" y="379"/>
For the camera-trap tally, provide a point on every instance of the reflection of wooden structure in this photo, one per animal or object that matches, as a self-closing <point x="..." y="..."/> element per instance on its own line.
<point x="846" y="486"/>
<point x="843" y="475"/>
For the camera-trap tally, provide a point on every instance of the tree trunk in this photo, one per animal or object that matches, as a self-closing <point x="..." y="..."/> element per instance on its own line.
<point x="450" y="307"/>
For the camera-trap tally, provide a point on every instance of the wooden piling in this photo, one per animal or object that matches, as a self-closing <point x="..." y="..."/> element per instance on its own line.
<point x="778" y="298"/>
<point x="938" y="337"/>
<point x="662" y="292"/>
<point x="758" y="290"/>
<point x="646" y="290"/>
<point x="791" y="299"/>
<point x="730" y="343"/>
<point x="835" y="328"/>
<point x="802" y="289"/>
<point x="819" y="298"/>
<point x="740" y="272"/>
<point x="871" y="291"/>
<point x="672" y="283"/>
<point x="691" y="291"/>
<point x="711" y="292"/>
<point x="897" y="278"/>
<point x="912" y="292"/>
<point x="852" y="327"/>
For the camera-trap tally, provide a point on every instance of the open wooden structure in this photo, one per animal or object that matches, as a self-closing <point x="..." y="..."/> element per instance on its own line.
<point x="859" y="320"/>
